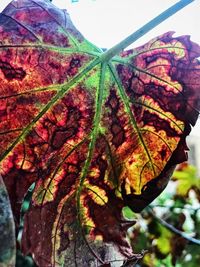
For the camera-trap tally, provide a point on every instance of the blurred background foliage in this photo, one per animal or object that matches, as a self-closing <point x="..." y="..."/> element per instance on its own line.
<point x="168" y="231"/>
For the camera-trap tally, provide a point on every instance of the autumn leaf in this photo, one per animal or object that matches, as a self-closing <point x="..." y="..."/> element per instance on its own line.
<point x="93" y="133"/>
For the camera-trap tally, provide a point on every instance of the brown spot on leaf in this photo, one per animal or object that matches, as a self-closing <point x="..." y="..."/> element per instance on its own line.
<point x="10" y="72"/>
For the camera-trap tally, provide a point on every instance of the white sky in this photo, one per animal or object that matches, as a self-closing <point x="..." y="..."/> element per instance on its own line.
<point x="106" y="22"/>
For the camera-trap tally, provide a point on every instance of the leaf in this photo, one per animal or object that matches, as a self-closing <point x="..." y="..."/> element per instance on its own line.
<point x="94" y="134"/>
<point x="163" y="242"/>
<point x="194" y="257"/>
<point x="7" y="229"/>
<point x="187" y="178"/>
<point x="128" y="213"/>
<point x="161" y="237"/>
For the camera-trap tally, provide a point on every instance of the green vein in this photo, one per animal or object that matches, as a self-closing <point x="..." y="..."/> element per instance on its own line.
<point x="57" y="225"/>
<point x="112" y="162"/>
<point x="155" y="48"/>
<point x="59" y="167"/>
<point x="73" y="40"/>
<point x="94" y="133"/>
<point x="57" y="97"/>
<point x="55" y="87"/>
<point x="23" y="26"/>
<point x="147" y="130"/>
<point x="97" y="117"/>
<point x="73" y="28"/>
<point x="128" y="64"/>
<point x="155" y="76"/>
<point x="143" y="168"/>
<point x="132" y="119"/>
<point x="160" y="79"/>
<point x="64" y="50"/>
<point x="11" y="131"/>
<point x="158" y="112"/>
<point x="98" y="196"/>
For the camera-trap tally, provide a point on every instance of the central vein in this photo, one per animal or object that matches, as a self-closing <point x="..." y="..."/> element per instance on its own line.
<point x="93" y="136"/>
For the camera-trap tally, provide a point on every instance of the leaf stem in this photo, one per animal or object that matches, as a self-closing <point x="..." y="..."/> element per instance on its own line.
<point x="174" y="207"/>
<point x="106" y="56"/>
<point x="173" y="229"/>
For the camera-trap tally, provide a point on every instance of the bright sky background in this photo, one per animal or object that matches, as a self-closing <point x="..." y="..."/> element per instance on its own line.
<point x="106" y="22"/>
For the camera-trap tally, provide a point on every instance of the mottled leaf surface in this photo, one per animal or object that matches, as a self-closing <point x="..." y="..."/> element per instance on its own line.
<point x="93" y="134"/>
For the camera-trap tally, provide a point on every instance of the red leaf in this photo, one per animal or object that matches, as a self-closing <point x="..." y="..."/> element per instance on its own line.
<point x="92" y="135"/>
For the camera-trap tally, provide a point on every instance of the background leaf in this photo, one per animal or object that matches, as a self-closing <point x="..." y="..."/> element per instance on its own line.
<point x="187" y="178"/>
<point x="164" y="246"/>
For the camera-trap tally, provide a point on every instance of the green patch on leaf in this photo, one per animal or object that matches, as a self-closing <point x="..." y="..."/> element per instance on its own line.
<point x="128" y="213"/>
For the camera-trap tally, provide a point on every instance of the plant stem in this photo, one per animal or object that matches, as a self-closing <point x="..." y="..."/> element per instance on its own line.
<point x="144" y="29"/>
<point x="173" y="229"/>
<point x="174" y="207"/>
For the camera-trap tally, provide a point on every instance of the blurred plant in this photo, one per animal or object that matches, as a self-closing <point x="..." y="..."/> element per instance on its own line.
<point x="169" y="229"/>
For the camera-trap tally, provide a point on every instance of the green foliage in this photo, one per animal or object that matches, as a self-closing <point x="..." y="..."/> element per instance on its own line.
<point x="24" y="261"/>
<point x="164" y="247"/>
<point x="187" y="178"/>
